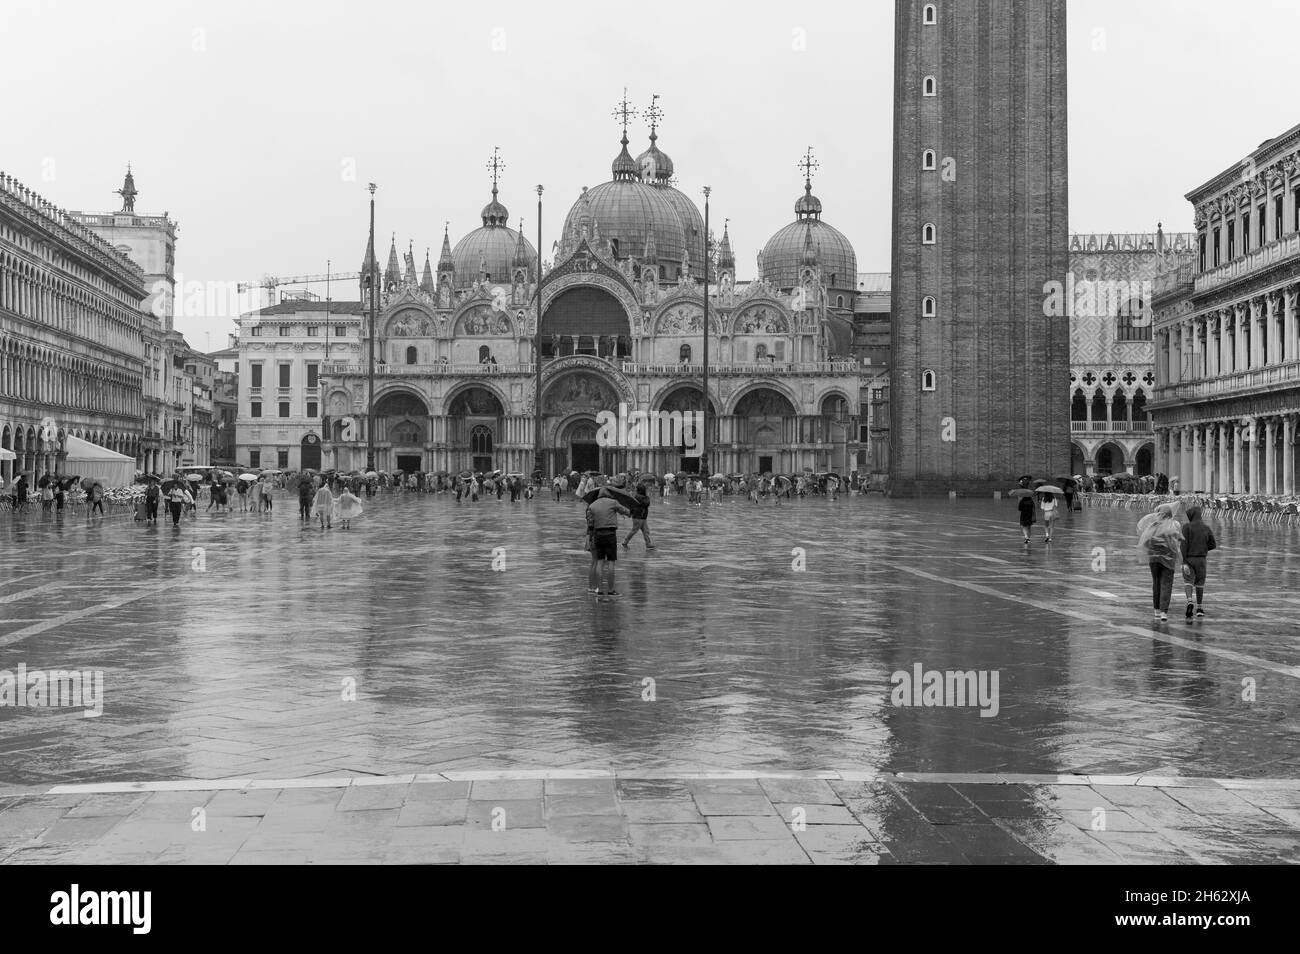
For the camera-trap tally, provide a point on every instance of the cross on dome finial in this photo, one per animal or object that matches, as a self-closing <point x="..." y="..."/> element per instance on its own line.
<point x="624" y="112"/>
<point x="654" y="114"/>
<point x="495" y="165"/>
<point x="807" y="164"/>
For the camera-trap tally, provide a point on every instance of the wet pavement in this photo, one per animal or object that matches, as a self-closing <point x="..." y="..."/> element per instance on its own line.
<point x="755" y="639"/>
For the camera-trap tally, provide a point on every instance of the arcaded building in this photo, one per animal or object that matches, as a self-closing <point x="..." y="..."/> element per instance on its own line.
<point x="980" y="226"/>
<point x="1227" y="396"/>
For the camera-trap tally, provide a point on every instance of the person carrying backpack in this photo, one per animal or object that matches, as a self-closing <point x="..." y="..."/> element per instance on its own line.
<point x="151" y="496"/>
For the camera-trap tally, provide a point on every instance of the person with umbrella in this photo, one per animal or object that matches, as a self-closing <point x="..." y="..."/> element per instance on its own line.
<point x="1025" y="505"/>
<point x="602" y="526"/>
<point x="1160" y="535"/>
<point x="305" y="493"/>
<point x="177" y="500"/>
<point x="640" y="514"/>
<point x="151" y="497"/>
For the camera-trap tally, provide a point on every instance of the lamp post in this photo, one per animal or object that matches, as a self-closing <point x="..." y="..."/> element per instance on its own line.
<point x="370" y="372"/>
<point x="537" y="350"/>
<point x="704" y="416"/>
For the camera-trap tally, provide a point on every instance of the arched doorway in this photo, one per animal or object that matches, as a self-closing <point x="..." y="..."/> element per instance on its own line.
<point x="402" y="420"/>
<point x="760" y="424"/>
<point x="311" y="452"/>
<point x="579" y="438"/>
<point x="585" y="320"/>
<point x="677" y="421"/>
<point x="1143" y="463"/>
<point x="1110" y="459"/>
<point x="474" y="428"/>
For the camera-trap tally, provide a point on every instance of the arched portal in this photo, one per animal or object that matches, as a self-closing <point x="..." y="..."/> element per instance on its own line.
<point x="474" y="428"/>
<point x="764" y="420"/>
<point x="402" y="420"/>
<point x="1110" y="459"/>
<point x="1143" y="461"/>
<point x="578" y="438"/>
<point x="311" y="452"/>
<point x="1078" y="460"/>
<point x="676" y="426"/>
<point x="586" y="320"/>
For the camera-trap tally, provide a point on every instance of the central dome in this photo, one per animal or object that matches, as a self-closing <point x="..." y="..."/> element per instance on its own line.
<point x="806" y="240"/>
<point x="630" y="212"/>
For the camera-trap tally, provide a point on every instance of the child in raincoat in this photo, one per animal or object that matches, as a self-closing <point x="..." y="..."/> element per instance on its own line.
<point x="349" y="506"/>
<point x="324" y="503"/>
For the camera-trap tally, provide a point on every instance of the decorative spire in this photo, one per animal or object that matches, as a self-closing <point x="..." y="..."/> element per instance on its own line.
<point x="809" y="250"/>
<point x="651" y="256"/>
<point x="128" y="191"/>
<point x="808" y="205"/>
<point x="393" y="274"/>
<point x="426" y="280"/>
<point x="445" y="262"/>
<point x="412" y="277"/>
<point x="522" y="258"/>
<point x="726" y="260"/>
<point x="624" y="166"/>
<point x="494" y="213"/>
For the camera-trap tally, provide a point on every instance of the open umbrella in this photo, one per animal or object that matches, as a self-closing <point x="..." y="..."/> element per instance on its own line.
<point x="670" y="476"/>
<point x="784" y="480"/>
<point x="466" y="474"/>
<point x="1020" y="492"/>
<point x="248" y="476"/>
<point x="87" y="483"/>
<point x="1048" y="489"/>
<point x="618" y="493"/>
<point x="371" y="475"/>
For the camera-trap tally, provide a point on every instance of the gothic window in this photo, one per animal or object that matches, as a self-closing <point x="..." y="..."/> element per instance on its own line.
<point x="684" y="354"/>
<point x="927" y="380"/>
<point x="928" y="87"/>
<point x="410" y="356"/>
<point x="927" y="233"/>
<point x="927" y="160"/>
<point x="839" y="301"/>
<point x="929" y="16"/>
<point x="927" y="306"/>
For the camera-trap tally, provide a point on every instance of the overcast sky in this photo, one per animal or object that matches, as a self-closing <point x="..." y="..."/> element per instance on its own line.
<point x="256" y="125"/>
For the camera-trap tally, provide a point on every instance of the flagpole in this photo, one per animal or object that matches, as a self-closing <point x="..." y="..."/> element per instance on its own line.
<point x="537" y="351"/>
<point x="370" y="374"/>
<point x="704" y="417"/>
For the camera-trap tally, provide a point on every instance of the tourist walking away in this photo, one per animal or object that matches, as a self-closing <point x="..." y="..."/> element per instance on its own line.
<point x="1198" y="541"/>
<point x="59" y="496"/>
<point x="97" y="499"/>
<point x="254" y="496"/>
<point x="1162" y="540"/>
<point x="151" y="497"/>
<point x="268" y="494"/>
<point x="47" y="497"/>
<point x="177" y="498"/>
<point x="241" y="488"/>
<point x="602" y="520"/>
<point x="559" y="484"/>
<point x="1051" y="510"/>
<point x="1026" y="507"/>
<point x="305" y="493"/>
<point x="349" y="507"/>
<point x="325" y="506"/>
<point x="640" y="514"/>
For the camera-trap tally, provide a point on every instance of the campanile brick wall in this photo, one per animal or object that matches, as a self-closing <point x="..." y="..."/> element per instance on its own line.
<point x="998" y="199"/>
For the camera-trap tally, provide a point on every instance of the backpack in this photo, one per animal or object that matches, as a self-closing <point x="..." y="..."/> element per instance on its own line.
<point x="152" y="492"/>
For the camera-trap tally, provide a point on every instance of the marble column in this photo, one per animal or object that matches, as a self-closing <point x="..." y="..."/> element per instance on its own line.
<point x="1253" y="429"/>
<point x="1289" y="324"/>
<point x="1187" y="468"/>
<point x="1196" y="477"/>
<point x="1270" y="456"/>
<point x="1274" y="329"/>
<point x="1240" y="359"/>
<point x="1288" y="454"/>
<point x="1238" y="479"/>
<point x="1221" y="485"/>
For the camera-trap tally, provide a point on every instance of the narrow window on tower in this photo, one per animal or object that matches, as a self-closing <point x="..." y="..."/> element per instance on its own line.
<point x="930" y="16"/>
<point x="1279" y="226"/>
<point x="927" y="380"/>
<point x="1232" y="240"/>
<point x="927" y="307"/>
<point x="1245" y="233"/>
<point x="927" y="160"/>
<point x="1263" y="221"/>
<point x="927" y="233"/>
<point x="1216" y="248"/>
<point x="1202" y="268"/>
<point x="410" y="356"/>
<point x="927" y="86"/>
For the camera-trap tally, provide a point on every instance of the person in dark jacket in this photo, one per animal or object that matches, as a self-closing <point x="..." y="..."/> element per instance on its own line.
<point x="640" y="514"/>
<point x="1198" y="541"/>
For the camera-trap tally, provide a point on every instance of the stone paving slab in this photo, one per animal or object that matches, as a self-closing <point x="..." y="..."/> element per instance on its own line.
<point x="616" y="819"/>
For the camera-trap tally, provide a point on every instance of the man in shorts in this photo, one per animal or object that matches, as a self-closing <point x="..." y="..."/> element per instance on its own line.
<point x="1198" y="541"/>
<point x="602" y="524"/>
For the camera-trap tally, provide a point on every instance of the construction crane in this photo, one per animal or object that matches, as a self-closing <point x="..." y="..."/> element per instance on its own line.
<point x="270" y="282"/>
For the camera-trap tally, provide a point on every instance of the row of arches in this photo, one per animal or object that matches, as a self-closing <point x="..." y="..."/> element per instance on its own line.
<point x="1110" y="458"/>
<point x="55" y="379"/>
<point x="72" y="307"/>
<point x="38" y="456"/>
<point x="1114" y="408"/>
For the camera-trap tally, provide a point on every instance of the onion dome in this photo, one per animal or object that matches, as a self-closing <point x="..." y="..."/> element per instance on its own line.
<point x="624" y="167"/>
<point x="654" y="165"/>
<point x="490" y="249"/>
<point x="494" y="213"/>
<point x="810" y="242"/>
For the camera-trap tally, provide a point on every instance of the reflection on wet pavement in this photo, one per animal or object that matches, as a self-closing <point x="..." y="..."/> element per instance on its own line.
<point x="236" y="660"/>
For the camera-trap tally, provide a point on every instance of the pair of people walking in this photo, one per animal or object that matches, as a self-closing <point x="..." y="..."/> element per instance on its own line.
<point x="1028" y="509"/>
<point x="1172" y="542"/>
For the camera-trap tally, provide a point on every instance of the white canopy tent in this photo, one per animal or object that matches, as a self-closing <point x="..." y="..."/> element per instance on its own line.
<point x="90" y="460"/>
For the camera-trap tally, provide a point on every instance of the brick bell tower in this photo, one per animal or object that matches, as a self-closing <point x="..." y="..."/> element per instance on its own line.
<point x="978" y="390"/>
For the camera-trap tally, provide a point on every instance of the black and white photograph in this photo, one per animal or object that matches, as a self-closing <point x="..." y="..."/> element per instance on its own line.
<point x="695" y="434"/>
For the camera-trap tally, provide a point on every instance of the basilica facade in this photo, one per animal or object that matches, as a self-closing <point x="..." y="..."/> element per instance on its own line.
<point x="622" y="323"/>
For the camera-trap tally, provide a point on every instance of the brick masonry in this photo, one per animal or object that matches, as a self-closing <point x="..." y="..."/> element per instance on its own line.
<point x="998" y="122"/>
